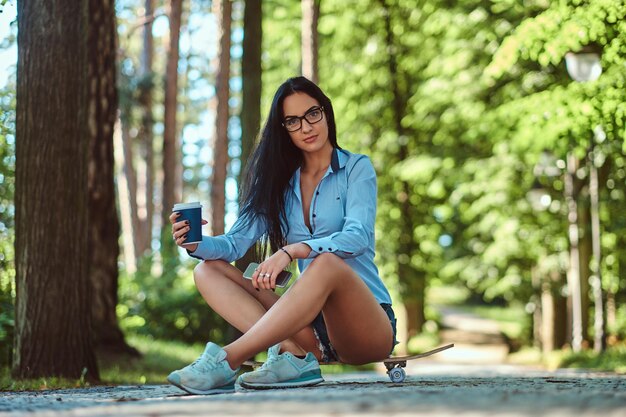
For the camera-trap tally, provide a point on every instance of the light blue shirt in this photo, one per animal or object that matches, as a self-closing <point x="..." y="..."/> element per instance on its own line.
<point x="341" y="215"/>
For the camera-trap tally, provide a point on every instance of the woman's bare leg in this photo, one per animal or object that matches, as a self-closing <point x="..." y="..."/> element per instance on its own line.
<point x="235" y="299"/>
<point x="358" y="327"/>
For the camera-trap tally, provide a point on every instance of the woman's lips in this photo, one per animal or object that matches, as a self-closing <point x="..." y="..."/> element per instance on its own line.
<point x="310" y="139"/>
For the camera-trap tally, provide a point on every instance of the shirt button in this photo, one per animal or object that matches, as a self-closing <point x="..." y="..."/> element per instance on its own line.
<point x="314" y="215"/>
<point x="317" y="193"/>
<point x="330" y="249"/>
<point x="321" y="249"/>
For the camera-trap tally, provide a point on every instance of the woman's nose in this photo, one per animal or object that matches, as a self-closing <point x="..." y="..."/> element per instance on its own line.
<point x="306" y="126"/>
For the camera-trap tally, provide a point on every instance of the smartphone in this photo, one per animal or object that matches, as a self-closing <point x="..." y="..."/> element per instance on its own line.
<point x="281" y="280"/>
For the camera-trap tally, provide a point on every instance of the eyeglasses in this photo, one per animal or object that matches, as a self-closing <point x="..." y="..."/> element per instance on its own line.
<point x="312" y="116"/>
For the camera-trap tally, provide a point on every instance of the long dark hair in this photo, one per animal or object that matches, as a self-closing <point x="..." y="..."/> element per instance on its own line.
<point x="273" y="163"/>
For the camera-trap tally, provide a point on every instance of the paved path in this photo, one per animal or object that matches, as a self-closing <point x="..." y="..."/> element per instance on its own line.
<point x="430" y="390"/>
<point x="476" y="339"/>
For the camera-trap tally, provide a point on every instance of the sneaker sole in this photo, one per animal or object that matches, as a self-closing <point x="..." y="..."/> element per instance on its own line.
<point x="226" y="389"/>
<point x="285" y="384"/>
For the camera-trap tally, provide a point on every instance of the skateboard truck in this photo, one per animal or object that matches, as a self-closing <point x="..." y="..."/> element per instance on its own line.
<point x="395" y="366"/>
<point x="396" y="371"/>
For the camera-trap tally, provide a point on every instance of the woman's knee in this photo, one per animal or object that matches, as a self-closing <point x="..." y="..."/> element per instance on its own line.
<point x="207" y="270"/>
<point x="329" y="261"/>
<point x="326" y="267"/>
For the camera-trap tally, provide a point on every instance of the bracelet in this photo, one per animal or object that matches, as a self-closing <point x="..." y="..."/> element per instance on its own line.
<point x="285" y="250"/>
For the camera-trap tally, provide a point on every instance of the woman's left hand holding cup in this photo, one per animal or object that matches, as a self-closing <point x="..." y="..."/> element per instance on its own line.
<point x="180" y="229"/>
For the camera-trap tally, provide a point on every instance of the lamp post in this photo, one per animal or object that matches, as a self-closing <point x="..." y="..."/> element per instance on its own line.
<point x="584" y="66"/>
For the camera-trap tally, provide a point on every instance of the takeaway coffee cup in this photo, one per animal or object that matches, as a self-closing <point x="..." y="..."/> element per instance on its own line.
<point x="193" y="213"/>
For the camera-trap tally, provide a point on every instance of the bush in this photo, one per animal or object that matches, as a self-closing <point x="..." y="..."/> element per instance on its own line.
<point x="167" y="305"/>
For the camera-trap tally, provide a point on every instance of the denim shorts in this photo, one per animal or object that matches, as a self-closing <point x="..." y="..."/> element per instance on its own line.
<point x="321" y="333"/>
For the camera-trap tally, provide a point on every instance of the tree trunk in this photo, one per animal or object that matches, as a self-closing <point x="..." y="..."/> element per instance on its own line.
<point x="573" y="273"/>
<point x="104" y="226"/>
<point x="547" y="317"/>
<point x="145" y="136"/>
<point x="560" y="313"/>
<point x="220" y="150"/>
<point x="584" y="251"/>
<point x="554" y="328"/>
<point x="310" y="16"/>
<point x="413" y="281"/>
<point x="170" y="143"/>
<point x="251" y="91"/>
<point x="611" y="311"/>
<point x="599" y="341"/>
<point x="121" y="147"/>
<point x="131" y="184"/>
<point x="53" y="314"/>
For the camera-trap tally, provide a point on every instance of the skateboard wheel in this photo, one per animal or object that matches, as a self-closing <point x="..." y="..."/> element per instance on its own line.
<point x="397" y="375"/>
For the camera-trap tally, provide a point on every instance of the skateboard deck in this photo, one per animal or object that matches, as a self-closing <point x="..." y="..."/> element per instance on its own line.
<point x="395" y="364"/>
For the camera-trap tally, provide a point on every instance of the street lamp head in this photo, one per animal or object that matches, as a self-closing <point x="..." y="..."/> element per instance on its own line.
<point x="584" y="65"/>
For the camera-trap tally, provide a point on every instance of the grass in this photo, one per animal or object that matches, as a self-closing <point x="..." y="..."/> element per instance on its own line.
<point x="613" y="359"/>
<point x="158" y="360"/>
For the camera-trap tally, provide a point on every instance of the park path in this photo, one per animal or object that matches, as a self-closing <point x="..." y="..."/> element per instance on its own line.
<point x="435" y="390"/>
<point x="476" y="340"/>
<point x="469" y="380"/>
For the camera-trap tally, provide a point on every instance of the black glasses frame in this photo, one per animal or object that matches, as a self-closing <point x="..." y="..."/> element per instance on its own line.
<point x="304" y="117"/>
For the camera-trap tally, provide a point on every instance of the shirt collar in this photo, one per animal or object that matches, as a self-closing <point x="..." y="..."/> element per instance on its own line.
<point x="338" y="160"/>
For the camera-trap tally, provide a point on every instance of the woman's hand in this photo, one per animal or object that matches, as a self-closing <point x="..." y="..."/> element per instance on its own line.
<point x="179" y="232"/>
<point x="265" y="275"/>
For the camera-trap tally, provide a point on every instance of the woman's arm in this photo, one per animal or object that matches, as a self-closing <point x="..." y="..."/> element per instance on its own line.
<point x="234" y="244"/>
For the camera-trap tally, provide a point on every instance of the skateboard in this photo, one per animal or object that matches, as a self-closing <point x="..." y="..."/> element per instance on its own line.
<point x="395" y="364"/>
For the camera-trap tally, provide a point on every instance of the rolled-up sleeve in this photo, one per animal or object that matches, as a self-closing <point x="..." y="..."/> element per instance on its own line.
<point x="357" y="232"/>
<point x="234" y="244"/>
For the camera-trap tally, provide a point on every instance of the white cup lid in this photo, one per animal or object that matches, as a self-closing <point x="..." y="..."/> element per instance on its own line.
<point x="185" y="206"/>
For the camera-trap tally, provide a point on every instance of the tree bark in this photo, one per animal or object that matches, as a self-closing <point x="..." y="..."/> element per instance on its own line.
<point x="584" y="251"/>
<point x="146" y="136"/>
<point x="53" y="312"/>
<point x="251" y="74"/>
<point x="413" y="281"/>
<point x="130" y="192"/>
<point x="310" y="17"/>
<point x="220" y="149"/>
<point x="573" y="273"/>
<point x="251" y="91"/>
<point x="548" y="310"/>
<point x="560" y="318"/>
<point x="121" y="147"/>
<point x="170" y="142"/>
<point x="599" y="341"/>
<point x="104" y="228"/>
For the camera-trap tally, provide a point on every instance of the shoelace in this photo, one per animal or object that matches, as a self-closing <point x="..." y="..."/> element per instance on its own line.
<point x="202" y="364"/>
<point x="270" y="360"/>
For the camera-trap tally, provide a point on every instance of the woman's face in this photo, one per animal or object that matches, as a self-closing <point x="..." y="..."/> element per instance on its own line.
<point x="300" y="109"/>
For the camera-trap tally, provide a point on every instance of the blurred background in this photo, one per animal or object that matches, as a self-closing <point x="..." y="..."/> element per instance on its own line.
<point x="496" y="128"/>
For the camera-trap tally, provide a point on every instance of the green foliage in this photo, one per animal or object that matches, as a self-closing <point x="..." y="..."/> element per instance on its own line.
<point x="611" y="360"/>
<point x="7" y="234"/>
<point x="159" y="358"/>
<point x="457" y="102"/>
<point x="166" y="305"/>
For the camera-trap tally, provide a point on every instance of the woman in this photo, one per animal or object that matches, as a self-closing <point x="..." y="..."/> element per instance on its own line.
<point x="308" y="200"/>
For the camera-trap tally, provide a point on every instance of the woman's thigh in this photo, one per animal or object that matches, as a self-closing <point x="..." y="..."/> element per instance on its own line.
<point x="207" y="268"/>
<point x="358" y="328"/>
<point x="305" y="338"/>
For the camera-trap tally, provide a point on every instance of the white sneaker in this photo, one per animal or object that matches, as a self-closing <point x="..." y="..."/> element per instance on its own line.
<point x="209" y="374"/>
<point x="283" y="371"/>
